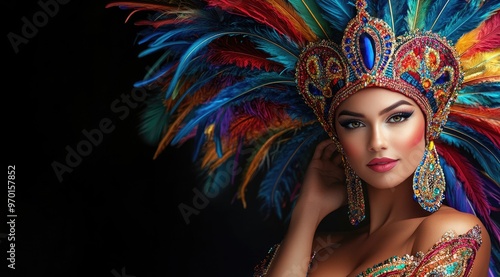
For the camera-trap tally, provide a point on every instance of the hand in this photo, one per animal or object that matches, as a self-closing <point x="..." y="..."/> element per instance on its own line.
<point x="324" y="188"/>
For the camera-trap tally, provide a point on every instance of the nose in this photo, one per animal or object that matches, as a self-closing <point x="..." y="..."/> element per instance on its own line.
<point x="377" y="140"/>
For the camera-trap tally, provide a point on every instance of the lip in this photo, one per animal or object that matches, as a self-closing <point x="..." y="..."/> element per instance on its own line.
<point x="382" y="164"/>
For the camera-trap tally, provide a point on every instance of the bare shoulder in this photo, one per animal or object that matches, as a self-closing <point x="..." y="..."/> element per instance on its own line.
<point x="333" y="240"/>
<point x="432" y="228"/>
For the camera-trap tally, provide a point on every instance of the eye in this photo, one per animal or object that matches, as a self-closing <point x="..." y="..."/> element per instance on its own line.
<point x="351" y="124"/>
<point x="399" y="117"/>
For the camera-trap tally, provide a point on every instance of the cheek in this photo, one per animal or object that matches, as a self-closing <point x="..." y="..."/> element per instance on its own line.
<point x="416" y="136"/>
<point x="351" y="147"/>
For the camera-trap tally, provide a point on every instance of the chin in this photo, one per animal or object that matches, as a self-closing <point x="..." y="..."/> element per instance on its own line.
<point x="387" y="180"/>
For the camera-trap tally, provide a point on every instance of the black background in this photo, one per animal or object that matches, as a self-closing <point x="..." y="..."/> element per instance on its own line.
<point x="116" y="213"/>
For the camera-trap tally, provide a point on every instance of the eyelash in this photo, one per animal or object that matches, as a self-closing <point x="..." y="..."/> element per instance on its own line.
<point x="403" y="115"/>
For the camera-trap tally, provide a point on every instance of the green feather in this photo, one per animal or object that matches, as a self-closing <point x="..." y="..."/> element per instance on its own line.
<point x="417" y="10"/>
<point x="311" y="14"/>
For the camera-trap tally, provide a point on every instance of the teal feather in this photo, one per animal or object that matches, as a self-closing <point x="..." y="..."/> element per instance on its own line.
<point x="392" y="12"/>
<point x="476" y="145"/>
<point x="154" y="120"/>
<point x="337" y="12"/>
<point x="484" y="94"/>
<point x="468" y="18"/>
<point x="439" y="13"/>
<point x="310" y="12"/>
<point x="279" y="48"/>
<point x="417" y="12"/>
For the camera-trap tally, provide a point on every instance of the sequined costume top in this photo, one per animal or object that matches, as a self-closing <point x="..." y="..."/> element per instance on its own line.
<point x="452" y="255"/>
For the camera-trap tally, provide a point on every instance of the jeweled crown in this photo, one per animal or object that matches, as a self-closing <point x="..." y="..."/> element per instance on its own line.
<point x="422" y="66"/>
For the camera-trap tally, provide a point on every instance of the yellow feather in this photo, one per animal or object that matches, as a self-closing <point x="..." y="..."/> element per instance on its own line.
<point x="212" y="160"/>
<point x="467" y="41"/>
<point x="482" y="66"/>
<point x="256" y="161"/>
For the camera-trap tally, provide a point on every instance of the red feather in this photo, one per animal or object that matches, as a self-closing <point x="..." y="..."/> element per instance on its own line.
<point x="263" y="12"/>
<point x="468" y="175"/>
<point x="241" y="52"/>
<point x="485" y="121"/>
<point x="488" y="37"/>
<point x="254" y="120"/>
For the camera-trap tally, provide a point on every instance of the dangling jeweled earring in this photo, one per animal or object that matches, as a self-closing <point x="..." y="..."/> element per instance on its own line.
<point x="428" y="181"/>
<point x="355" y="196"/>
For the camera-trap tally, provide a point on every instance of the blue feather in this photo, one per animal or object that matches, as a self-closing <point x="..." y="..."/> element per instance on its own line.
<point x="392" y="12"/>
<point x="486" y="94"/>
<point x="337" y="12"/>
<point x="229" y="95"/>
<point x="199" y="139"/>
<point x="440" y="12"/>
<point x="468" y="18"/>
<point x="287" y="166"/>
<point x="454" y="193"/>
<point x="281" y="49"/>
<point x="476" y="144"/>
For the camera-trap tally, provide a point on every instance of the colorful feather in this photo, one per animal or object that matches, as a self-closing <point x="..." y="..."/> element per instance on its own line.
<point x="482" y="67"/>
<point x="417" y="13"/>
<point x="277" y="15"/>
<point x="311" y="14"/>
<point x="241" y="52"/>
<point x="224" y="77"/>
<point x="256" y="161"/>
<point x="475" y="187"/>
<point x="468" y="18"/>
<point x="393" y="12"/>
<point x="480" y="94"/>
<point x="438" y="13"/>
<point x="337" y="13"/>
<point x="281" y="179"/>
<point x="484" y="38"/>
<point x="475" y="144"/>
<point x="483" y="120"/>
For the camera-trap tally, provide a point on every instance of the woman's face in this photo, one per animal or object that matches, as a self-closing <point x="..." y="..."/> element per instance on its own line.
<point x="383" y="135"/>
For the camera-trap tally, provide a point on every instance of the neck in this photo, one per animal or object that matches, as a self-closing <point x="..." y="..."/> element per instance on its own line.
<point x="392" y="205"/>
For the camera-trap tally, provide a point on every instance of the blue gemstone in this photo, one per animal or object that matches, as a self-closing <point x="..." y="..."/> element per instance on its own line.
<point x="349" y="55"/>
<point x="367" y="47"/>
<point x="347" y="49"/>
<point x="314" y="90"/>
<point x="445" y="77"/>
<point x="388" y="44"/>
<point x="348" y="41"/>
<point x="388" y="51"/>
<point x="387" y="37"/>
<point x="364" y="19"/>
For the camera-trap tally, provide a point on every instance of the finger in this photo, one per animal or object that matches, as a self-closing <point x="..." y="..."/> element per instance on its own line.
<point x="329" y="152"/>
<point x="337" y="159"/>
<point x="318" y="153"/>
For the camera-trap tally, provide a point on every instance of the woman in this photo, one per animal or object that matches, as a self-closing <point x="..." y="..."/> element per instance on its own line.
<point x="363" y="104"/>
<point x="383" y="136"/>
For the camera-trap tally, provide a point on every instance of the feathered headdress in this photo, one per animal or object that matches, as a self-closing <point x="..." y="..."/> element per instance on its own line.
<point x="232" y="76"/>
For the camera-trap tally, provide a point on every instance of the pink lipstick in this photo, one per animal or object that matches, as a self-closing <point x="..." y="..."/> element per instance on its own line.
<point x="382" y="164"/>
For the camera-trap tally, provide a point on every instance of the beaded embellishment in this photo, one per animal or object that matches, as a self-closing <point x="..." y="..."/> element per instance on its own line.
<point x="422" y="66"/>
<point x="453" y="255"/>
<point x="428" y="181"/>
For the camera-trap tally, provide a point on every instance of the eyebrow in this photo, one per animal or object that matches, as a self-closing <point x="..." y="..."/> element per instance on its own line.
<point x="391" y="107"/>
